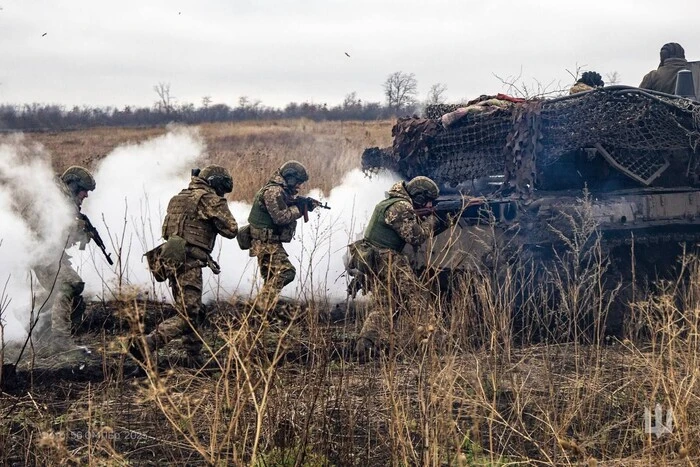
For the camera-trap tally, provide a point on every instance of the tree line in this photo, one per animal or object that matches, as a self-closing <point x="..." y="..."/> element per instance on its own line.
<point x="400" y="91"/>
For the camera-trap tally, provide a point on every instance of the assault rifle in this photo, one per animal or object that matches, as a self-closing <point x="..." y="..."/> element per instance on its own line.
<point x="477" y="209"/>
<point x="306" y="204"/>
<point x="95" y="235"/>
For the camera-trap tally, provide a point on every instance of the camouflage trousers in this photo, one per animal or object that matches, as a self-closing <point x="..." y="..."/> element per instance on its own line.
<point x="397" y="291"/>
<point x="276" y="270"/>
<point x="61" y="304"/>
<point x="186" y="285"/>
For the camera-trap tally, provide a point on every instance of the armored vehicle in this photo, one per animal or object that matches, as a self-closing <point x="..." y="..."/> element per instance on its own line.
<point x="618" y="164"/>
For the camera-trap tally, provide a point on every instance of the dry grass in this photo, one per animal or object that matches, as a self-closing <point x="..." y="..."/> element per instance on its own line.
<point x="477" y="395"/>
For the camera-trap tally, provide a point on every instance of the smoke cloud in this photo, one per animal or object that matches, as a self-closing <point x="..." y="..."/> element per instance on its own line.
<point x="34" y="221"/>
<point x="134" y="184"/>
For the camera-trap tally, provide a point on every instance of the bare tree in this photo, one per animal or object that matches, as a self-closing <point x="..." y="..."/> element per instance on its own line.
<point x="612" y="78"/>
<point x="351" y="101"/>
<point x="400" y="90"/>
<point x="436" y="95"/>
<point x="206" y="100"/>
<point x="165" y="99"/>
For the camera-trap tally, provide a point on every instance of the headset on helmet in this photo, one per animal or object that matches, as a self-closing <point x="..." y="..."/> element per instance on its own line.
<point x="294" y="173"/>
<point x="78" y="179"/>
<point x="218" y="178"/>
<point x="422" y="190"/>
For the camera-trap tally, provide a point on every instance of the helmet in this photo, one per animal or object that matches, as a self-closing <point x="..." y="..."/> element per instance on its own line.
<point x="592" y="78"/>
<point x="294" y="173"/>
<point x="78" y="179"/>
<point x="671" y="50"/>
<point x="422" y="189"/>
<point x="218" y="178"/>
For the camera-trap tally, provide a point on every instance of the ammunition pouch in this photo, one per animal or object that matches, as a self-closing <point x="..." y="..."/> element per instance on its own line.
<point x="157" y="267"/>
<point x="244" y="238"/>
<point x="363" y="257"/>
<point x="283" y="235"/>
<point x="363" y="260"/>
<point x="167" y="257"/>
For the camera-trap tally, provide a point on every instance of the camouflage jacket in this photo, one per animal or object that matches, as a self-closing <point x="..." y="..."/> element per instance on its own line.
<point x="663" y="79"/>
<point x="402" y="218"/>
<point x="198" y="214"/>
<point x="77" y="232"/>
<point x="276" y="200"/>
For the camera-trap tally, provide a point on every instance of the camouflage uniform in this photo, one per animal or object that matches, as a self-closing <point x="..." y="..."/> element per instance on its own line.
<point x="395" y="285"/>
<point x="197" y="214"/>
<point x="62" y="285"/>
<point x="273" y="221"/>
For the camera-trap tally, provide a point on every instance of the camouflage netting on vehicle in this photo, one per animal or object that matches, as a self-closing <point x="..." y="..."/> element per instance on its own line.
<point x="628" y="125"/>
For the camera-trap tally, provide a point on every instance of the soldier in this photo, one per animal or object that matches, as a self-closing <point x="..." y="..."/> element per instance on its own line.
<point x="663" y="79"/>
<point x="393" y="224"/>
<point x="193" y="219"/>
<point x="273" y="221"/>
<point x="588" y="81"/>
<point x="63" y="285"/>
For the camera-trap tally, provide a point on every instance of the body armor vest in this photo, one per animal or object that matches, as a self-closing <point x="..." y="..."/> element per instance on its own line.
<point x="181" y="219"/>
<point x="379" y="233"/>
<point x="258" y="216"/>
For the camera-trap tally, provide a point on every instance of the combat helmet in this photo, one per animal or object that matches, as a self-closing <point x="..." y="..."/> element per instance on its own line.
<point x="218" y="178"/>
<point x="294" y="173"/>
<point x="78" y="179"/>
<point x="422" y="190"/>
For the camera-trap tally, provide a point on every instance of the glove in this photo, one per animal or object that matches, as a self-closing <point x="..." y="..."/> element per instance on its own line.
<point x="310" y="204"/>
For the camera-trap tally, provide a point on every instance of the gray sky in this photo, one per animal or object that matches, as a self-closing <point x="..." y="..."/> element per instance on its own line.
<point x="113" y="53"/>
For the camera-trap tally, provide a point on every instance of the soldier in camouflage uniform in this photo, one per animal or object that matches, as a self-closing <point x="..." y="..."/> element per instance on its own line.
<point x="395" y="287"/>
<point x="273" y="221"/>
<point x="663" y="79"/>
<point x="63" y="286"/>
<point x="194" y="218"/>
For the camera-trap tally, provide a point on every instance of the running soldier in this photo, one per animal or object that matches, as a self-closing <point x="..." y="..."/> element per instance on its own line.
<point x="273" y="221"/>
<point x="194" y="218"/>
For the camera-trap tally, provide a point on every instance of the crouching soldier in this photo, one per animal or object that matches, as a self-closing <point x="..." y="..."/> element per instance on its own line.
<point x="378" y="262"/>
<point x="194" y="218"/>
<point x="273" y="221"/>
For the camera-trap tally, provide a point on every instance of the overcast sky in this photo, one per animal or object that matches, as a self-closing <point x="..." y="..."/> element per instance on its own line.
<point x="77" y="52"/>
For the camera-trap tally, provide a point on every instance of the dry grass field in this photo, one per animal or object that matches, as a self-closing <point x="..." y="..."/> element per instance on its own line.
<point x="468" y="394"/>
<point x="251" y="150"/>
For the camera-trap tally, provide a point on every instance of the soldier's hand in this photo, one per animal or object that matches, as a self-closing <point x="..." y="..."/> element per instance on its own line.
<point x="311" y="204"/>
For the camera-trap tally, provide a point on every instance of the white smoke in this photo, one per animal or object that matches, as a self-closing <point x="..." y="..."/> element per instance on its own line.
<point x="34" y="221"/>
<point x="134" y="184"/>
